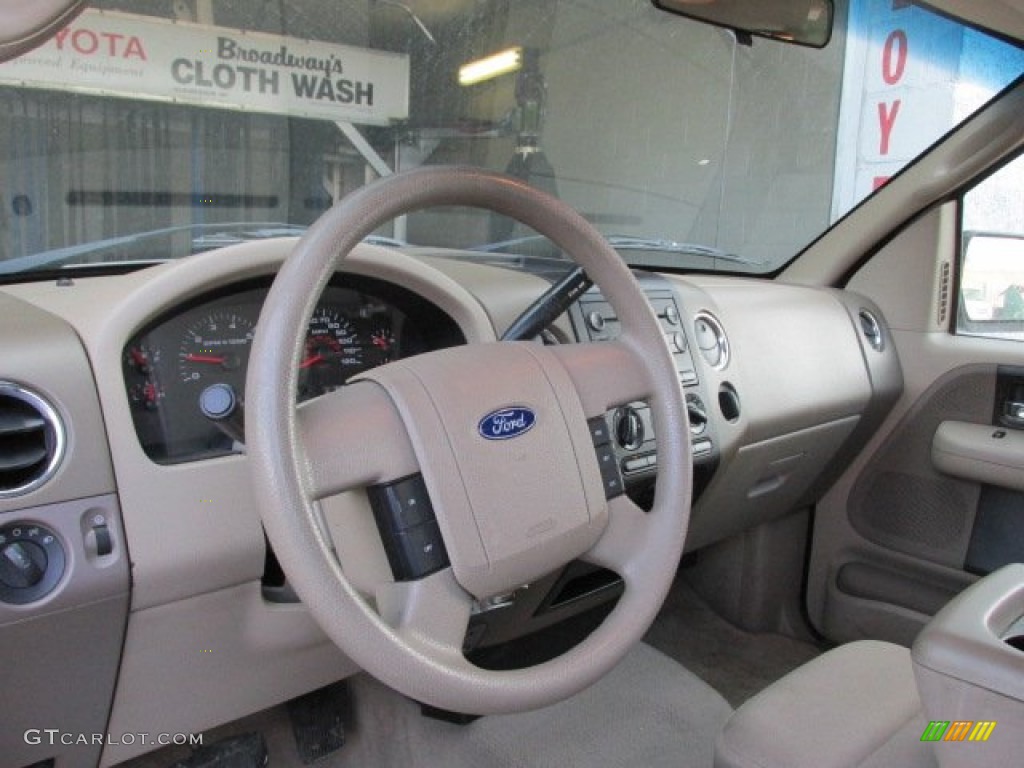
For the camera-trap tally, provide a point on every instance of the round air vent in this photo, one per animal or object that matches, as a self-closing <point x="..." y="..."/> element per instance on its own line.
<point x="31" y="440"/>
<point x="871" y="329"/>
<point x="711" y="340"/>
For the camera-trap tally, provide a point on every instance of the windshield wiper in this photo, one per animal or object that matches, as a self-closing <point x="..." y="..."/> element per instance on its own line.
<point x="622" y="243"/>
<point x="210" y="236"/>
<point x="664" y="245"/>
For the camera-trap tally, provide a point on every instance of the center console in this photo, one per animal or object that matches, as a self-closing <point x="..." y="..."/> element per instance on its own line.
<point x="969" y="666"/>
<point x="629" y="426"/>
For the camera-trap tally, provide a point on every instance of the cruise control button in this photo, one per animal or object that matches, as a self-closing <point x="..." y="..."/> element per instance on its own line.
<point x="403" y="504"/>
<point x="610" y="475"/>
<point x="422" y="551"/>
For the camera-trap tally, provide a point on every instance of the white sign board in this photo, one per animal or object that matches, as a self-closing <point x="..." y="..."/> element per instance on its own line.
<point x="142" y="57"/>
<point x="899" y="89"/>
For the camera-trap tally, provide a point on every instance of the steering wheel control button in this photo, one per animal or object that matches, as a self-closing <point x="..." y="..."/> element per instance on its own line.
<point x="678" y="342"/>
<point x="596" y="321"/>
<point x="599" y="431"/>
<point x="31" y="562"/>
<point x="420" y="551"/>
<point x="403" y="504"/>
<point x="671" y="314"/>
<point x="610" y="475"/>
<point x="408" y="529"/>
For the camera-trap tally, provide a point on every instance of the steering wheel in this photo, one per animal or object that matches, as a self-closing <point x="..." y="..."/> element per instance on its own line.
<point x="510" y="510"/>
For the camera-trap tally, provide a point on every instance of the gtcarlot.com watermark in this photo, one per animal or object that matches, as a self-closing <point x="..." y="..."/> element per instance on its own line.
<point x="52" y="737"/>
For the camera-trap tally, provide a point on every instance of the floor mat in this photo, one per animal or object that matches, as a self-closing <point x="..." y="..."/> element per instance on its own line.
<point x="648" y="712"/>
<point x="735" y="663"/>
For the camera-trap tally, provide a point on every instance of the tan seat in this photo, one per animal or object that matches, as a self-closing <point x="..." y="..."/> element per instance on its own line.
<point x="856" y="705"/>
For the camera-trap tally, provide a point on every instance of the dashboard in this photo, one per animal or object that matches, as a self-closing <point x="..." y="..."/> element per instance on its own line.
<point x="154" y="504"/>
<point x="184" y="373"/>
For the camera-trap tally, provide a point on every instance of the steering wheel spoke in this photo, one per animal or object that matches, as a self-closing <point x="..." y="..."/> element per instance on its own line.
<point x="353" y="437"/>
<point x="626" y="535"/>
<point x="605" y="374"/>
<point x="430" y="614"/>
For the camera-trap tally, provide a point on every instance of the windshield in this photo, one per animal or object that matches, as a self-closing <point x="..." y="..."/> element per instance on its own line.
<point x="150" y="130"/>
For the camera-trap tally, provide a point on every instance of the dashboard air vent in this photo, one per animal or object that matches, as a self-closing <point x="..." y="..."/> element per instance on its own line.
<point x="711" y="340"/>
<point x="31" y="440"/>
<point x="871" y="329"/>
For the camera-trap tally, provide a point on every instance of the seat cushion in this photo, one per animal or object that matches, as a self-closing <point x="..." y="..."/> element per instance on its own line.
<point x="845" y="708"/>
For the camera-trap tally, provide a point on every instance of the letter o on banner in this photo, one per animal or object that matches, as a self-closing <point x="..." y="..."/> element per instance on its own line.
<point x="894" y="56"/>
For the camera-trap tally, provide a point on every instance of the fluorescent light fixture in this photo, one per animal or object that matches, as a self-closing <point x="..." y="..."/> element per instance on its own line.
<point x="492" y="66"/>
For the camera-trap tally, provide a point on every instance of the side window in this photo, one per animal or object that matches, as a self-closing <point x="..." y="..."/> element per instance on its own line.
<point x="992" y="256"/>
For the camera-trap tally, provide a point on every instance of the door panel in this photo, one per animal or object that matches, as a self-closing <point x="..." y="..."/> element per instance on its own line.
<point x="897" y="536"/>
<point x="900" y="501"/>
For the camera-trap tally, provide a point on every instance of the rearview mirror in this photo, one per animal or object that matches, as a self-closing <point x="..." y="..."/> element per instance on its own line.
<point x="803" y="22"/>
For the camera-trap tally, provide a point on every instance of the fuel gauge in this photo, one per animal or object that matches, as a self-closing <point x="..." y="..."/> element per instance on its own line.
<point x="140" y="368"/>
<point x="141" y="359"/>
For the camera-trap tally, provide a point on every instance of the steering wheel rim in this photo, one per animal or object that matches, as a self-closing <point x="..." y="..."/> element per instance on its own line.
<point x="411" y="641"/>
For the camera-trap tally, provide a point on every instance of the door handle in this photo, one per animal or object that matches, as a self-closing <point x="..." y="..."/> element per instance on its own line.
<point x="1013" y="413"/>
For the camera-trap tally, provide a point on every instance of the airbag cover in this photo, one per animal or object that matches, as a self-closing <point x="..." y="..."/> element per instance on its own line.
<point x="511" y="509"/>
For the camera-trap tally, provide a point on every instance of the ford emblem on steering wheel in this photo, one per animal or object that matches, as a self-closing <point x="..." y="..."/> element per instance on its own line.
<point x="507" y="423"/>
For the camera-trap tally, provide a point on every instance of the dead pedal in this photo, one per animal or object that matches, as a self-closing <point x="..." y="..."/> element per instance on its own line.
<point x="318" y="721"/>
<point x="246" y="751"/>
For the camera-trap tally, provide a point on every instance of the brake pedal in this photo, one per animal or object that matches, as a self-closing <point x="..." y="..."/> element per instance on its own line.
<point x="318" y="721"/>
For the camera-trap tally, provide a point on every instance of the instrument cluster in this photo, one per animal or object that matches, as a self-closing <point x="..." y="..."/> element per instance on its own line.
<point x="194" y="359"/>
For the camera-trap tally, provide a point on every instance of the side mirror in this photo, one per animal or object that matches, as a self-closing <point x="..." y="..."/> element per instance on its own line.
<point x="992" y="279"/>
<point x="802" y="22"/>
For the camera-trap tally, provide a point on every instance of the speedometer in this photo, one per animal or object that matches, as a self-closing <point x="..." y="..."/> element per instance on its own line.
<point x="333" y="353"/>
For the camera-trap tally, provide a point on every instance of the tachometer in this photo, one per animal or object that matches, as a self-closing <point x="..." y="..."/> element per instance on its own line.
<point x="333" y="353"/>
<point x="215" y="348"/>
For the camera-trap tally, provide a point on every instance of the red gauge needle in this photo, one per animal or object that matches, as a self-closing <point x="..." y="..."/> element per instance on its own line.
<point x="214" y="359"/>
<point x="309" y="362"/>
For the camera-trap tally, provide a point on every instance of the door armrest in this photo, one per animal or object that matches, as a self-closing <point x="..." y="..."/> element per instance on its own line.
<point x="980" y="453"/>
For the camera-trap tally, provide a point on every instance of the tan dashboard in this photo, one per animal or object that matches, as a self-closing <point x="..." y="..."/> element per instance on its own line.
<point x="787" y="379"/>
